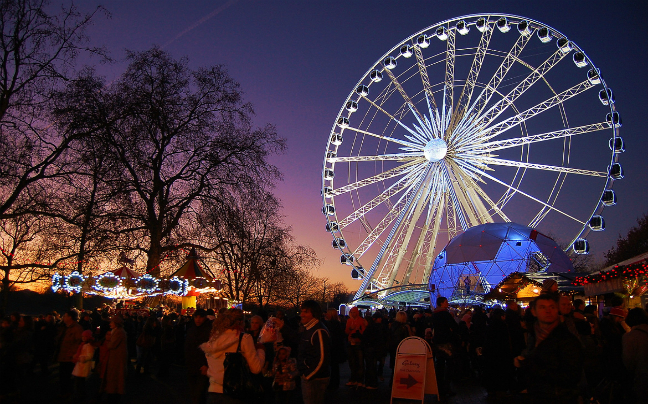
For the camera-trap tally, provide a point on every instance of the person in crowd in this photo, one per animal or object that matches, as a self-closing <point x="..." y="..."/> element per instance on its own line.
<point x="68" y="341"/>
<point x="225" y="337"/>
<point x="372" y="342"/>
<point x="256" y="325"/>
<point x="579" y="309"/>
<point x="84" y="321"/>
<point x="44" y="342"/>
<point x="338" y="354"/>
<point x="498" y="356"/>
<point x="289" y="333"/>
<point x="635" y="355"/>
<point x="445" y="340"/>
<point x="147" y="343"/>
<point x="83" y="364"/>
<point x="114" y="379"/>
<point x="553" y="358"/>
<point x="418" y="324"/>
<point x="613" y="327"/>
<point x="24" y="345"/>
<point x="355" y="327"/>
<point x="566" y="310"/>
<point x="380" y="318"/>
<point x="285" y="373"/>
<point x="314" y="353"/>
<point x="167" y="345"/>
<point x="398" y="331"/>
<point x="198" y="332"/>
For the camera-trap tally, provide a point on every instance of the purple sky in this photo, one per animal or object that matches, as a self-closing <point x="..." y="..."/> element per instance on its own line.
<point x="297" y="61"/>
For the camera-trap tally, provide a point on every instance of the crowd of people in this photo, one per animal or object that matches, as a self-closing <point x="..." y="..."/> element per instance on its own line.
<point x="554" y="351"/>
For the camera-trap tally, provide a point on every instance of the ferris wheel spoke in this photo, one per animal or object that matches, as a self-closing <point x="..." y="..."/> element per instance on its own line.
<point x="402" y="92"/>
<point x="490" y="202"/>
<point x="431" y="241"/>
<point x="543" y="167"/>
<point x="449" y="73"/>
<point x="453" y="186"/>
<point x="418" y="156"/>
<point x="379" y="229"/>
<point x="379" y="257"/>
<point x="424" y="75"/>
<point x="431" y="227"/>
<point x="495" y="130"/>
<point x="397" y="120"/>
<point x="405" y="236"/>
<point x="518" y="191"/>
<point x="500" y="106"/>
<point x="403" y="183"/>
<point x="558" y="134"/>
<point x="477" y="197"/>
<point x="394" y="172"/>
<point x="451" y="215"/>
<point x="414" y="146"/>
<point x="471" y="204"/>
<point x="473" y="74"/>
<point x="504" y="67"/>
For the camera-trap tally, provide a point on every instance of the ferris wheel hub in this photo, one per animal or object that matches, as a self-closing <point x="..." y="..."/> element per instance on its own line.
<point x="435" y="150"/>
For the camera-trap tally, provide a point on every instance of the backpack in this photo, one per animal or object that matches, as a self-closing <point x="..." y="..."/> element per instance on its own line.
<point x="238" y="381"/>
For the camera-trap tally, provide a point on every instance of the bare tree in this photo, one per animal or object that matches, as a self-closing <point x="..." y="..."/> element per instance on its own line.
<point x="244" y="232"/>
<point x="179" y="137"/>
<point x="37" y="55"/>
<point x="30" y="249"/>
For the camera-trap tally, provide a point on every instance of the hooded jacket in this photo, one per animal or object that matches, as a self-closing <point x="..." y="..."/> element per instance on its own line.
<point x="215" y="350"/>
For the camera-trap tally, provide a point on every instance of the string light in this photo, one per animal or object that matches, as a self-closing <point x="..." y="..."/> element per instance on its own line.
<point x="633" y="271"/>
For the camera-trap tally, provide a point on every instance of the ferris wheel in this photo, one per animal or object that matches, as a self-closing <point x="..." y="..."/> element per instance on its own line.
<point x="478" y="119"/>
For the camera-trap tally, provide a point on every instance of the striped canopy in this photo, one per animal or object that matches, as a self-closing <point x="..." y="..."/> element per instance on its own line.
<point x="191" y="269"/>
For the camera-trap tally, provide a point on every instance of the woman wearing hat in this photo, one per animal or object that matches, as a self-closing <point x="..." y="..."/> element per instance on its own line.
<point x="114" y="379"/>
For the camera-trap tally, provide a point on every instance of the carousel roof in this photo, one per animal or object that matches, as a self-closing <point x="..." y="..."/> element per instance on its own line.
<point x="125" y="272"/>
<point x="192" y="269"/>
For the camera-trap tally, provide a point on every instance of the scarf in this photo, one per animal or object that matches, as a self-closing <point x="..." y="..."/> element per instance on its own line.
<point x="542" y="333"/>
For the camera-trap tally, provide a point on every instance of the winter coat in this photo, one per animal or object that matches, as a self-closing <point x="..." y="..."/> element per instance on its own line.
<point x="313" y="359"/>
<point x="554" y="366"/>
<point x="114" y="380"/>
<point x="355" y="327"/>
<point x="83" y="366"/>
<point x="635" y="359"/>
<point x="69" y="341"/>
<point x="445" y="327"/>
<point x="216" y="348"/>
<point x="338" y="354"/>
<point x="194" y="356"/>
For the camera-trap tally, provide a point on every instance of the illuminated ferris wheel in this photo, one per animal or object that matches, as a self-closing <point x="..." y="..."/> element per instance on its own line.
<point x="477" y="119"/>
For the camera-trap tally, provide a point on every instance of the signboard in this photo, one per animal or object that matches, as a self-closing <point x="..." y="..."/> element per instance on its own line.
<point x="414" y="374"/>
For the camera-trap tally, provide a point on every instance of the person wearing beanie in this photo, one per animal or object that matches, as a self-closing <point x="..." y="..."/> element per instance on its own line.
<point x="549" y="286"/>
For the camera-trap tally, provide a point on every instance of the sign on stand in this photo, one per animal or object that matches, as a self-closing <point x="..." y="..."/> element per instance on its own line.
<point x="414" y="375"/>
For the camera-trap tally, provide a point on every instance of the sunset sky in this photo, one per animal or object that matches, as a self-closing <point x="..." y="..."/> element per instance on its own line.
<point x="297" y="61"/>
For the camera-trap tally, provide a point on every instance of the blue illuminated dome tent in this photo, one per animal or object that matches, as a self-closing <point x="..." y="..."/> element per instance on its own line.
<point x="478" y="259"/>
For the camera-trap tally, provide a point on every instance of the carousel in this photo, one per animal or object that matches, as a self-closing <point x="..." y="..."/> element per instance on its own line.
<point x="188" y="282"/>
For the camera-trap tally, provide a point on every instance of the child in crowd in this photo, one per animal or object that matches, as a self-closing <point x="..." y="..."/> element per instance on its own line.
<point x="285" y="372"/>
<point x="83" y="359"/>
